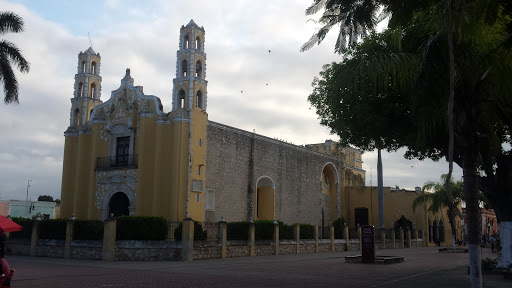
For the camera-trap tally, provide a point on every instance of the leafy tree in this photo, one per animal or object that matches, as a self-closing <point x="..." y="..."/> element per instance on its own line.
<point x="10" y="55"/>
<point x="46" y="198"/>
<point x="453" y="116"/>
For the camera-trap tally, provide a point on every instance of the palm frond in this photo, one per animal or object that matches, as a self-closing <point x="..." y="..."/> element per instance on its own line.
<point x="10" y="22"/>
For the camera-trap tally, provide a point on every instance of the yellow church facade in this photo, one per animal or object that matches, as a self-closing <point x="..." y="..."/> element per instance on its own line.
<point x="126" y="156"/>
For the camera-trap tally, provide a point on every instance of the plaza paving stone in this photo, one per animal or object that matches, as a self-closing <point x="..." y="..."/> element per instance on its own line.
<point x="423" y="267"/>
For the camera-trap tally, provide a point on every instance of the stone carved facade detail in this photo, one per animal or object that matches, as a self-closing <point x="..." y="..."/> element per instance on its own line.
<point x="105" y="180"/>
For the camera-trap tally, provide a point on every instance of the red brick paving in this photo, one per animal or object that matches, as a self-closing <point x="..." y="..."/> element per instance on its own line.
<point x="423" y="267"/>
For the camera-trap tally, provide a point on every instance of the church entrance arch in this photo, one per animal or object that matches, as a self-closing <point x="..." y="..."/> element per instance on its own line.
<point x="330" y="206"/>
<point x="265" y="198"/>
<point x="119" y="204"/>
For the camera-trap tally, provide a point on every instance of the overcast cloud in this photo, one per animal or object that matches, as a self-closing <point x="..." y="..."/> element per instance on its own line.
<point x="143" y="36"/>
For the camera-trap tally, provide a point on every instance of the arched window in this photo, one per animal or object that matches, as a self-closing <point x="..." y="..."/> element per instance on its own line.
<point x="76" y="117"/>
<point x="185" y="42"/>
<point x="80" y="90"/>
<point x="93" y="67"/>
<point x="82" y="70"/>
<point x="198" y="43"/>
<point x="93" y="90"/>
<point x="199" y="99"/>
<point x="184" y="69"/>
<point x="441" y="231"/>
<point x="181" y="99"/>
<point x="199" y="69"/>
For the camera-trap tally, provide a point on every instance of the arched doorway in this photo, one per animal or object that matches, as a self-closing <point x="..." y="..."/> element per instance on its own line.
<point x="265" y="198"/>
<point x="119" y="204"/>
<point x="330" y="205"/>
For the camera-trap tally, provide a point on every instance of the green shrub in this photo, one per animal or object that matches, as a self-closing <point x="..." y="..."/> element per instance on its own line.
<point x="141" y="228"/>
<point x="285" y="231"/>
<point x="88" y="230"/>
<point x="238" y="230"/>
<point x="52" y="229"/>
<point x="264" y="229"/>
<point x="489" y="264"/>
<point x="307" y="231"/>
<point x="27" y="228"/>
<point x="339" y="227"/>
<point x="199" y="233"/>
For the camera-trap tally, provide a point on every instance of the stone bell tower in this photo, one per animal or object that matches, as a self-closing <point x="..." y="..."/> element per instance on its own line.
<point x="189" y="114"/>
<point x="87" y="90"/>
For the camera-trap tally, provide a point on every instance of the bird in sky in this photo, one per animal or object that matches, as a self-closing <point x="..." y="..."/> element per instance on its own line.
<point x="242" y="91"/>
<point x="269" y="51"/>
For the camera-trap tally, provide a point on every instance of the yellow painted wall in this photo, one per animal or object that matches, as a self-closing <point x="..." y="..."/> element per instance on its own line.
<point x="68" y="176"/>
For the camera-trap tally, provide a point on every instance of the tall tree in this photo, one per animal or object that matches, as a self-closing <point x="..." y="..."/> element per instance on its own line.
<point x="11" y="56"/>
<point x="478" y="87"/>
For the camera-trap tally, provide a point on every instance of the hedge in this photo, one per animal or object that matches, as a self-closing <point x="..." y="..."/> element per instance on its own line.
<point x="238" y="231"/>
<point x="199" y="233"/>
<point x="307" y="231"/>
<point x="339" y="227"/>
<point x="27" y="228"/>
<point x="88" y="230"/>
<point x="52" y="229"/>
<point x="141" y="228"/>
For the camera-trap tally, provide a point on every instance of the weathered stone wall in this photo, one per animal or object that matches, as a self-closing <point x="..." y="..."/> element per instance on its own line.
<point x="86" y="249"/>
<point x="236" y="159"/>
<point x="207" y="250"/>
<point x="18" y="246"/>
<point x="50" y="248"/>
<point x="138" y="250"/>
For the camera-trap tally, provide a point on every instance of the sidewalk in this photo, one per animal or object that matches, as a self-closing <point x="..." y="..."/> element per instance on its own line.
<point x="423" y="267"/>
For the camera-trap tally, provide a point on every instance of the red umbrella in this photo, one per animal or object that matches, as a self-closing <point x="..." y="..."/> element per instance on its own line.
<point x="7" y="225"/>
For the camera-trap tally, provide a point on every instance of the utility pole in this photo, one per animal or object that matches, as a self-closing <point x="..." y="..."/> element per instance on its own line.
<point x="28" y="185"/>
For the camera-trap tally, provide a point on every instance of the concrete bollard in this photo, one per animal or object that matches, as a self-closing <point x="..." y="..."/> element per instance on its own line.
<point x="275" y="238"/>
<point x="70" y="225"/>
<point x="187" y="240"/>
<point x="296" y="236"/>
<point x="108" y="251"/>
<point x="252" y="237"/>
<point x="223" y="237"/>
<point x="409" y="240"/>
<point x="347" y="238"/>
<point x="35" y="237"/>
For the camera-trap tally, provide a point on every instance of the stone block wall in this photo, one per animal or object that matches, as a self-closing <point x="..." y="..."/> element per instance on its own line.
<point x="50" y="248"/>
<point x="86" y="249"/>
<point x="18" y="246"/>
<point x="240" y="158"/>
<point x="138" y="250"/>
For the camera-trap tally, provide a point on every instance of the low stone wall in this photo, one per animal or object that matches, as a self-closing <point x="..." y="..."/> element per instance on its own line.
<point x="18" y="246"/>
<point x="138" y="250"/>
<point x="207" y="250"/>
<point x="86" y="249"/>
<point x="50" y="248"/>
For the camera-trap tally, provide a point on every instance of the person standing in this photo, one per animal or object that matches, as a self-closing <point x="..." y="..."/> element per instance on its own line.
<point x="492" y="241"/>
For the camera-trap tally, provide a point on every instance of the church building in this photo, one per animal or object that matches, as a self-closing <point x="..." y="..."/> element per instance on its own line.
<point x="126" y="156"/>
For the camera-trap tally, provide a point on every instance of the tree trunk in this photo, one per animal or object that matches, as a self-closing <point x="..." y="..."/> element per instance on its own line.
<point x="380" y="188"/>
<point x="472" y="214"/>
<point x="451" y="219"/>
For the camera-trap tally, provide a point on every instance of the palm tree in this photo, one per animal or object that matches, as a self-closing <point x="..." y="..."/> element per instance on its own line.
<point x="434" y="194"/>
<point x="10" y="55"/>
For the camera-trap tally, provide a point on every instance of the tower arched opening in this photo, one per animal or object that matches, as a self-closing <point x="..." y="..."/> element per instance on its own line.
<point x="198" y="43"/>
<point x="199" y="99"/>
<point x="80" y="91"/>
<point x="82" y="67"/>
<point x="265" y="198"/>
<point x="181" y="99"/>
<point x="184" y="68"/>
<point x="93" y="68"/>
<point x="76" y="117"/>
<point x="93" y="91"/>
<point x="199" y="69"/>
<point x="186" y="42"/>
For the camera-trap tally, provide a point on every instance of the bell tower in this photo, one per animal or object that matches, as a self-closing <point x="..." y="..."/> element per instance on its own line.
<point x="87" y="90"/>
<point x="189" y="114"/>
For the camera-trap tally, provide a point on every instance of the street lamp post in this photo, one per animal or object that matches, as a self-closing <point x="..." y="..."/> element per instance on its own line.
<point x="28" y="185"/>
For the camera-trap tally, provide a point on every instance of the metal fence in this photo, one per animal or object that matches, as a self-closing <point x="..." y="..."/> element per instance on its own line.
<point x="172" y="226"/>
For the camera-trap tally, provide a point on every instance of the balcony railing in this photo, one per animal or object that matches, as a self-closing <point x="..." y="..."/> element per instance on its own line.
<point x="125" y="161"/>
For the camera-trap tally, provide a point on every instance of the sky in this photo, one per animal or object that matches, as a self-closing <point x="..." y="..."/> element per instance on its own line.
<point x="143" y="36"/>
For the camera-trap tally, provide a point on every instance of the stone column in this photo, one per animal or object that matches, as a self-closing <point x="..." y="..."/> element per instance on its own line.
<point x="416" y="237"/>
<point x="383" y="237"/>
<point x="393" y="237"/>
<point x="70" y="224"/>
<point x="296" y="235"/>
<point x="187" y="240"/>
<point x="347" y="239"/>
<point x="409" y="240"/>
<point x="401" y="237"/>
<point x="108" y="251"/>
<point x="252" y="237"/>
<point x="223" y="232"/>
<point x="275" y="238"/>
<point x="331" y="230"/>
<point x="35" y="237"/>
<point x="316" y="238"/>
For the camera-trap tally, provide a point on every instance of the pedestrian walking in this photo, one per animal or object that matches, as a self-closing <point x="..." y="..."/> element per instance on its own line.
<point x="492" y="241"/>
